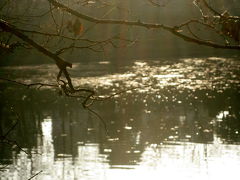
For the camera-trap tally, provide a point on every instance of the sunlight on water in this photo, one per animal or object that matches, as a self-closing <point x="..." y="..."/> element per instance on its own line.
<point x="221" y="115"/>
<point x="182" y="122"/>
<point x="192" y="73"/>
<point x="181" y="161"/>
<point x="91" y="163"/>
<point x="191" y="161"/>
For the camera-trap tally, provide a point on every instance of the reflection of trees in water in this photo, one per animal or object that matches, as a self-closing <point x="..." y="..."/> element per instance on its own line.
<point x="132" y="122"/>
<point x="27" y="127"/>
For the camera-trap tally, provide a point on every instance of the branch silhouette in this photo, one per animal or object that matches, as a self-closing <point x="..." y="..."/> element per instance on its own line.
<point x="175" y="31"/>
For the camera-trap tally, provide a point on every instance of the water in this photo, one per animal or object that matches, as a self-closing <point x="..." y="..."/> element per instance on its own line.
<point x="179" y="120"/>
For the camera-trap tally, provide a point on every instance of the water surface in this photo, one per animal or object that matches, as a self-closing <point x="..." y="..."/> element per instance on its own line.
<point x="178" y="120"/>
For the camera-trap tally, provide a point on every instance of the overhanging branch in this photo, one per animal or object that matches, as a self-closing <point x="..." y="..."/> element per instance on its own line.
<point x="172" y="30"/>
<point x="62" y="64"/>
<point x="10" y="28"/>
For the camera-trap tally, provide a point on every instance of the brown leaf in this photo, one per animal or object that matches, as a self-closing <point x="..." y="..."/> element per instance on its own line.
<point x="77" y="27"/>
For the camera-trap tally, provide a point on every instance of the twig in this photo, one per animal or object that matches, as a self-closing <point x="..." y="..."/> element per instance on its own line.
<point x="157" y="4"/>
<point x="35" y="175"/>
<point x="10" y="129"/>
<point x="193" y="34"/>
<point x="62" y="50"/>
<point x="4" y="139"/>
<point x="13" y="143"/>
<point x="100" y="118"/>
<point x="29" y="85"/>
<point x="53" y="18"/>
<point x="85" y="103"/>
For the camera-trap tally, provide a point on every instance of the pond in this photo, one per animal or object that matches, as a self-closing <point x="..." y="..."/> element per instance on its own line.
<point x="168" y="120"/>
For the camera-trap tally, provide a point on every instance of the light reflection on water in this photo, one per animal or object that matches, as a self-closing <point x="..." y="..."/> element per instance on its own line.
<point x="172" y="160"/>
<point x="184" y="126"/>
<point x="192" y="73"/>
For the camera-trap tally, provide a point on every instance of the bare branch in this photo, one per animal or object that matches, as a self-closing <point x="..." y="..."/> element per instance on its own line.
<point x="12" y="143"/>
<point x="62" y="64"/>
<point x="100" y="118"/>
<point x="146" y="25"/>
<point x="29" y="85"/>
<point x="4" y="139"/>
<point x="6" y="134"/>
<point x="10" y="28"/>
<point x="35" y="175"/>
<point x="158" y="4"/>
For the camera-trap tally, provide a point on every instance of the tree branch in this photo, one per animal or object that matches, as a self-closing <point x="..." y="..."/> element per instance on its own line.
<point x="158" y="4"/>
<point x="62" y="64"/>
<point x="29" y="85"/>
<point x="35" y="175"/>
<point x="10" y="28"/>
<point x="172" y="30"/>
<point x="4" y="138"/>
